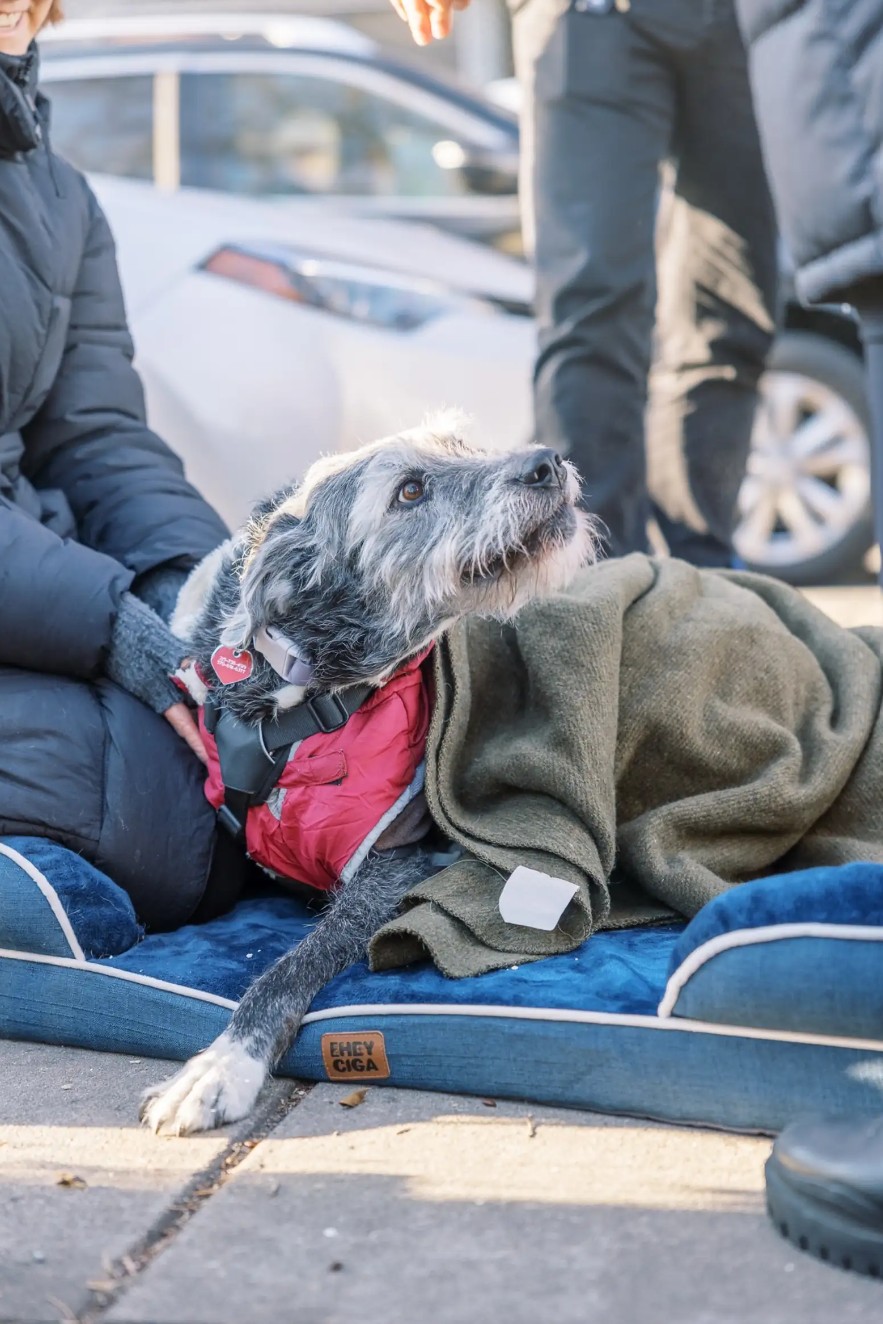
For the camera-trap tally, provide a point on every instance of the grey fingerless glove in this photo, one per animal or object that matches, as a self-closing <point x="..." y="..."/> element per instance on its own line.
<point x="143" y="655"/>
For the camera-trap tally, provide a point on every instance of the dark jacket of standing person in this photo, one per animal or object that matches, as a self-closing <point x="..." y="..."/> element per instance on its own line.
<point x="92" y="504"/>
<point x="817" y="77"/>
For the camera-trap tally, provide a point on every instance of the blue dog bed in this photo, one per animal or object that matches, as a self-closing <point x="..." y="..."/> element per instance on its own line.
<point x="767" y="1005"/>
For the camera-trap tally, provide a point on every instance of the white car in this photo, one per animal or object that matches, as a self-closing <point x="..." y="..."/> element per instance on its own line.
<point x="282" y="106"/>
<point x="267" y="335"/>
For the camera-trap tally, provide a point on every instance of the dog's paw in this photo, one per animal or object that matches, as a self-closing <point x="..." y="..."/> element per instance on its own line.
<point x="218" y="1086"/>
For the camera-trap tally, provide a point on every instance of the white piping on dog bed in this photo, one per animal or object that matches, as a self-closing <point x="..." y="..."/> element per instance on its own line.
<point x="559" y="1014"/>
<point x="724" y="942"/>
<point x="594" y="1018"/>
<point x="51" y="896"/>
<point x="129" y="975"/>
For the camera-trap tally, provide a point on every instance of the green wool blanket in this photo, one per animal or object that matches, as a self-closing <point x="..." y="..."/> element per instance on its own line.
<point x="654" y="734"/>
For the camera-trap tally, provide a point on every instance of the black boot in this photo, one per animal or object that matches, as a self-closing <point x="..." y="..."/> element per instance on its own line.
<point x="824" y="1184"/>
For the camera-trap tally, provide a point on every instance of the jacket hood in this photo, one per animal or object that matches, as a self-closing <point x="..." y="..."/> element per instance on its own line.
<point x="20" y="111"/>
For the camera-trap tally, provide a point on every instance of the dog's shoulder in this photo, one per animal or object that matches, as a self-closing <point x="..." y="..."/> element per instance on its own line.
<point x="198" y="589"/>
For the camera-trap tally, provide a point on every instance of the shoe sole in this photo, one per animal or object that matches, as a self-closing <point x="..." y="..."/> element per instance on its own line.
<point x="829" y="1235"/>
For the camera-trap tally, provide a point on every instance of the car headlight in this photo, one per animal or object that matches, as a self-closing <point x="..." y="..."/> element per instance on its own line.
<point x="360" y="293"/>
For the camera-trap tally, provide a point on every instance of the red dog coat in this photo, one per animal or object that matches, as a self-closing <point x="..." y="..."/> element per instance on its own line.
<point x="338" y="792"/>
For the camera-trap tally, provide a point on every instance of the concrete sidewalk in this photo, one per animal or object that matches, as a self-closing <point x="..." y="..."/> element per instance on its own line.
<point x="407" y="1206"/>
<point x="851" y="605"/>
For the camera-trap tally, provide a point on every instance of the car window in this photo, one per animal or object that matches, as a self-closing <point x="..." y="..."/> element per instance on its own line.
<point x="259" y="133"/>
<point x="105" y="124"/>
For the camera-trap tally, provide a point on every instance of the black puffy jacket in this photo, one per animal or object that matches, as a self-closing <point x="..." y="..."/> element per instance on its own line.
<point x="817" y="77"/>
<point x="90" y="499"/>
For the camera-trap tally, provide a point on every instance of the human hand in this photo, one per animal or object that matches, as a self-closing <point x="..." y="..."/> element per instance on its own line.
<point x="428" y="19"/>
<point x="182" y="721"/>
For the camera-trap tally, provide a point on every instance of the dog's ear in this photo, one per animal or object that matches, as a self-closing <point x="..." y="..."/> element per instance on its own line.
<point x="270" y="580"/>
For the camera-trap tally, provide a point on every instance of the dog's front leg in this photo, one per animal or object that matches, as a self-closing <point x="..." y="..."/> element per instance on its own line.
<point x="222" y="1083"/>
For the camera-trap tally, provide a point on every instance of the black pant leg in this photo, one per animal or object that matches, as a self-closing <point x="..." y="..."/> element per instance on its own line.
<point x="718" y="286"/>
<point x="599" y="106"/>
<point x="868" y="300"/>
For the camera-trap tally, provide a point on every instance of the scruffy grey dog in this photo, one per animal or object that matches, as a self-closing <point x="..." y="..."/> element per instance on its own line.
<point x="373" y="557"/>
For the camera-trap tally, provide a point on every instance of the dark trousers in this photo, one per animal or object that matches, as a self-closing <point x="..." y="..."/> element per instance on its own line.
<point x="609" y="97"/>
<point x="868" y="300"/>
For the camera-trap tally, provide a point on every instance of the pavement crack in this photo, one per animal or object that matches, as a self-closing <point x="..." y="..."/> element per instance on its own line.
<point x="202" y="1186"/>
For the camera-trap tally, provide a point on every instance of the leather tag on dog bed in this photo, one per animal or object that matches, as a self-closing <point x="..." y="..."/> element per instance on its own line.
<point x="355" y="1056"/>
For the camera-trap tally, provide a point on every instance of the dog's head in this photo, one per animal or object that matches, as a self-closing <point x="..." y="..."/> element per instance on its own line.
<point x="380" y="550"/>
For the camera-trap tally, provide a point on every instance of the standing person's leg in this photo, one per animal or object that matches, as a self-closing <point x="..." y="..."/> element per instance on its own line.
<point x="599" y="103"/>
<point x="718" y="289"/>
<point x="868" y="300"/>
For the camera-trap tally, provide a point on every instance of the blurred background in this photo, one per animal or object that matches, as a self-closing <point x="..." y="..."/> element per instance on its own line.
<point x="319" y="240"/>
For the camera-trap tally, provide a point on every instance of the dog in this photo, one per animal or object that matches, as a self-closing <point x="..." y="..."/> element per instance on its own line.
<point x="335" y="588"/>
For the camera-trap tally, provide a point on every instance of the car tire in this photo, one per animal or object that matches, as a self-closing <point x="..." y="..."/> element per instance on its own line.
<point x="841" y="371"/>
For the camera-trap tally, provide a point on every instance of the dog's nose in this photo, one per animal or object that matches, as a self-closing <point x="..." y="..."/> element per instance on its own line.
<point x="543" y="468"/>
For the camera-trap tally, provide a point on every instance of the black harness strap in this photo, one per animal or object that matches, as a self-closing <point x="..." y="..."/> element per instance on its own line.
<point x="252" y="757"/>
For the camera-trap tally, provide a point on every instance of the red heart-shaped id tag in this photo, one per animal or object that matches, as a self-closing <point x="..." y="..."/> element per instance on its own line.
<point x="232" y="664"/>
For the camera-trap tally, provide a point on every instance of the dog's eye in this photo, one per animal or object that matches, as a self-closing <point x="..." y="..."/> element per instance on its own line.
<point x="411" y="492"/>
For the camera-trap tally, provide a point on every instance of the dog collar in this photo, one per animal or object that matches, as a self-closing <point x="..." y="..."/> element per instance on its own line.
<point x="283" y="656"/>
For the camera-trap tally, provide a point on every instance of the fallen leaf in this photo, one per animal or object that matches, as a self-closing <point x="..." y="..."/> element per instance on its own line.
<point x="403" y="1130"/>
<point x="68" y="1179"/>
<point x="65" y="1313"/>
<point x="353" y="1100"/>
<point x="489" y="1103"/>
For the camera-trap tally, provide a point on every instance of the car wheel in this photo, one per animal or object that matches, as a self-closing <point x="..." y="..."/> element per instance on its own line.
<point x="805" y="511"/>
